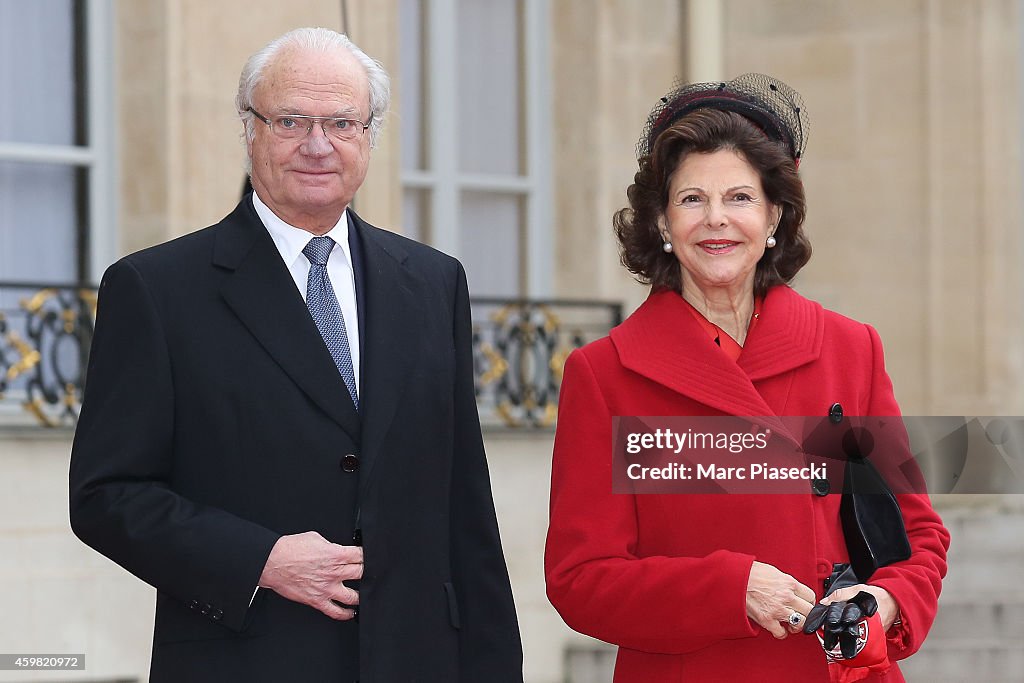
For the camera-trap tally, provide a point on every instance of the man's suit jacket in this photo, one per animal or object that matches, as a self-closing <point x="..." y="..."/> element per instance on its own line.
<point x="215" y="421"/>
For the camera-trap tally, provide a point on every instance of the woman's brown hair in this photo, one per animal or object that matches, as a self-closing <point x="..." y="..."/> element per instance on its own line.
<point x="702" y="132"/>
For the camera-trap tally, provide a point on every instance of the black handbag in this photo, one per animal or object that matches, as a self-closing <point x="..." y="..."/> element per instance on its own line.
<point x="870" y="514"/>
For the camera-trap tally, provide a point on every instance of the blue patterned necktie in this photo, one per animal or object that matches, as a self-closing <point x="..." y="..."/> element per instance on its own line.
<point x="323" y="306"/>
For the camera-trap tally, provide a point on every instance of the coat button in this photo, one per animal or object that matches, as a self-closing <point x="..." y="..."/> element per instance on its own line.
<point x="350" y="463"/>
<point x="357" y="537"/>
<point x="835" y="413"/>
<point x="194" y="605"/>
<point x="821" y="487"/>
<point x="217" y="615"/>
<point x="204" y="610"/>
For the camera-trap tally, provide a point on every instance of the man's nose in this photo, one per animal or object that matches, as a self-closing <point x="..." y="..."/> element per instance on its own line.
<point x="317" y="143"/>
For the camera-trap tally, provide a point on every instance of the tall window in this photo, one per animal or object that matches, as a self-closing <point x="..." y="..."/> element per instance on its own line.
<point x="475" y="121"/>
<point x="55" y="158"/>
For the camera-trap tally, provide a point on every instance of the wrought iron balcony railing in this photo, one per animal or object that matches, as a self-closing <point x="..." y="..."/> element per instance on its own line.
<point x="45" y="333"/>
<point x="519" y="348"/>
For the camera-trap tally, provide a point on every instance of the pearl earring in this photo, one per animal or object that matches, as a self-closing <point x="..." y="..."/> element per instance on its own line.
<point x="770" y="242"/>
<point x="667" y="247"/>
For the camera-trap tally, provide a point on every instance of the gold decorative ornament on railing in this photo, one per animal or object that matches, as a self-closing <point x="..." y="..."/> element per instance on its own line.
<point x="520" y="347"/>
<point x="45" y="332"/>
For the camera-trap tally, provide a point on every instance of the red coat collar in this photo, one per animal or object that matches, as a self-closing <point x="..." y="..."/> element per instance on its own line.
<point x="662" y="342"/>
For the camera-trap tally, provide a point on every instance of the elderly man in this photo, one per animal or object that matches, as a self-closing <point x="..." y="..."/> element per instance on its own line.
<point x="283" y="403"/>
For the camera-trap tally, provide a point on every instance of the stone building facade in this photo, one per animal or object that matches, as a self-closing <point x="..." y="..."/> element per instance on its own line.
<point x="913" y="176"/>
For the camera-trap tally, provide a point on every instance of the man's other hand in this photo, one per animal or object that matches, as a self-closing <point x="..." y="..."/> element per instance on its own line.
<point x="309" y="569"/>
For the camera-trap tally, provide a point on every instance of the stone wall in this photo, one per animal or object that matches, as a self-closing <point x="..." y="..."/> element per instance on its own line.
<point x="913" y="180"/>
<point x="58" y="596"/>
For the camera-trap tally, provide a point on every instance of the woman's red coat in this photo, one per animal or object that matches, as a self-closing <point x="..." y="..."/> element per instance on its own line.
<point x="664" y="576"/>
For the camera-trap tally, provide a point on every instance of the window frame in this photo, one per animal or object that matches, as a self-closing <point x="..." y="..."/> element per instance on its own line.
<point x="98" y="240"/>
<point x="441" y="179"/>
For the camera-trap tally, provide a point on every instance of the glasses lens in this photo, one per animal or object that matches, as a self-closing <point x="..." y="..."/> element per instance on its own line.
<point x="295" y="127"/>
<point x="342" y="129"/>
<point x="290" y="127"/>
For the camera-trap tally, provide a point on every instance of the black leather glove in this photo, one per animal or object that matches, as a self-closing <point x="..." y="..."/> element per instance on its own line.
<point x="840" y="620"/>
<point x="842" y="576"/>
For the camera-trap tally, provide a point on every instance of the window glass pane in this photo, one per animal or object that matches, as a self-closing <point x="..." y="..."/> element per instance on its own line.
<point x="38" y="222"/>
<point x="488" y="111"/>
<point x="416" y="215"/>
<point x="37" y="72"/>
<point x="411" y="25"/>
<point x="490" y="227"/>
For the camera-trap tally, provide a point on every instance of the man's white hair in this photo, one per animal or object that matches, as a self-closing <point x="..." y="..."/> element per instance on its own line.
<point x="323" y="40"/>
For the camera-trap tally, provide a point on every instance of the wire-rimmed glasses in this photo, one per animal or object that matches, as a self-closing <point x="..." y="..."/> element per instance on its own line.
<point x="298" y="126"/>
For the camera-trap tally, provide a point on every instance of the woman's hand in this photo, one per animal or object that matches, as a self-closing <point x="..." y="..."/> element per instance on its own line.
<point x="888" y="610"/>
<point x="772" y="596"/>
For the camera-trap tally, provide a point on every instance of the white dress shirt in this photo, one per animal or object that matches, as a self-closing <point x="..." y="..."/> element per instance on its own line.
<point x="290" y="242"/>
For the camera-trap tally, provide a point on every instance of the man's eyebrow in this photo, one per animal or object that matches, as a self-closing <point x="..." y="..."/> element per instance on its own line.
<point x="345" y="113"/>
<point x="351" y="113"/>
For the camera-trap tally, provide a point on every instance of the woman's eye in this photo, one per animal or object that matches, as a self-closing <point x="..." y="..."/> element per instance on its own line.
<point x="689" y="199"/>
<point x="742" y="197"/>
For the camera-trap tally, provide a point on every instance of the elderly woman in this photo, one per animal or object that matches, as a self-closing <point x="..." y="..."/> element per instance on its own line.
<point x="717" y="587"/>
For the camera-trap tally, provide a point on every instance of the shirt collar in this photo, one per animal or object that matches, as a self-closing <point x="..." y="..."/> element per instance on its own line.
<point x="291" y="241"/>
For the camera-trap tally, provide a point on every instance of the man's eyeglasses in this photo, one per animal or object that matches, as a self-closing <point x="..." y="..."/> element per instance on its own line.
<point x="297" y="126"/>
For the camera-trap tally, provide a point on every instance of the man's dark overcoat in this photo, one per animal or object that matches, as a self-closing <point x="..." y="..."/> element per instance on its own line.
<point x="215" y="421"/>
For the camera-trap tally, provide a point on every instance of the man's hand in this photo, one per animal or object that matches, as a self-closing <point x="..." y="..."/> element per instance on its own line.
<point x="772" y="596"/>
<point x="309" y="569"/>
